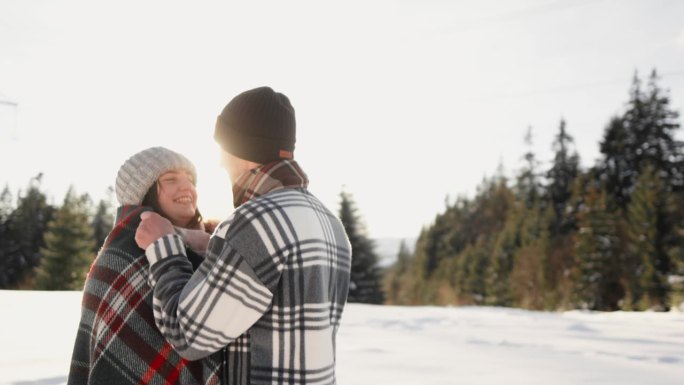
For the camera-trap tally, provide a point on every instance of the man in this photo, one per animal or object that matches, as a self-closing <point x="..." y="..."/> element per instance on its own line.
<point x="276" y="275"/>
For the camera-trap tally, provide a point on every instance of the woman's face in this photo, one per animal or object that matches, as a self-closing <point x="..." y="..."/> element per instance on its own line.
<point x="177" y="196"/>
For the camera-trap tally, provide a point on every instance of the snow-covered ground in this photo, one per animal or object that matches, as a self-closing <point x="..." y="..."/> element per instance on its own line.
<point x="409" y="345"/>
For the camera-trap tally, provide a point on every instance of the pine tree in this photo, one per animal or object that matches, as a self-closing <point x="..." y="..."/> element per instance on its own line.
<point x="616" y="169"/>
<point x="560" y="216"/>
<point x="650" y="259"/>
<point x="506" y="244"/>
<point x="103" y="221"/>
<point x="475" y="261"/>
<point x="27" y="224"/>
<point x="677" y="272"/>
<point x="365" y="282"/>
<point x="11" y="267"/>
<point x="438" y="243"/>
<point x="656" y="136"/>
<point x="527" y="272"/>
<point x="598" y="283"/>
<point x="5" y="204"/>
<point x="413" y="283"/>
<point x="528" y="185"/>
<point x="68" y="246"/>
<point x="396" y="274"/>
<point x="643" y="135"/>
<point x="561" y="177"/>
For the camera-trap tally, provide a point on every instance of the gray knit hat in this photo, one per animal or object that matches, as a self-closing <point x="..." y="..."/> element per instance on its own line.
<point x="141" y="170"/>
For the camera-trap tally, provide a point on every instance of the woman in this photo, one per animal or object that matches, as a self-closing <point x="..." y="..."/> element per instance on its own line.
<point x="117" y="340"/>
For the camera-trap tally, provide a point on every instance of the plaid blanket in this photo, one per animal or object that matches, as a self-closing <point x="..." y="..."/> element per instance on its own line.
<point x="272" y="287"/>
<point x="117" y="341"/>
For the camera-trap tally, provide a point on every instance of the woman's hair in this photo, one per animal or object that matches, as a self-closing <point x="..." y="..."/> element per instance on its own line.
<point x="151" y="199"/>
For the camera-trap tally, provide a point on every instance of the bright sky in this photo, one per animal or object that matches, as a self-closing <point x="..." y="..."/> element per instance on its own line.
<point x="402" y="102"/>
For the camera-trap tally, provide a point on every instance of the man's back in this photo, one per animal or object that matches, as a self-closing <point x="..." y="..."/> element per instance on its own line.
<point x="300" y="252"/>
<point x="272" y="288"/>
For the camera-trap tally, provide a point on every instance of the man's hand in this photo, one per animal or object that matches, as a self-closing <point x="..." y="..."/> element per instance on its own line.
<point x="152" y="227"/>
<point x="197" y="240"/>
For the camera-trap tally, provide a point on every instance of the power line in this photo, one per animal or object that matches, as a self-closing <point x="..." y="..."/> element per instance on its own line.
<point x="571" y="87"/>
<point x="4" y="101"/>
<point x="540" y="9"/>
<point x="552" y="6"/>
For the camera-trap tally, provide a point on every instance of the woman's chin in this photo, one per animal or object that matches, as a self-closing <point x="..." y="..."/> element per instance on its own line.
<point x="181" y="219"/>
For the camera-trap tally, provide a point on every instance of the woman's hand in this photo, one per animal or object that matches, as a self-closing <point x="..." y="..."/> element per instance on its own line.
<point x="152" y="227"/>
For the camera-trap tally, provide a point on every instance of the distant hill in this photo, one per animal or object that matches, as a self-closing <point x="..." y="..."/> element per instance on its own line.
<point x="388" y="248"/>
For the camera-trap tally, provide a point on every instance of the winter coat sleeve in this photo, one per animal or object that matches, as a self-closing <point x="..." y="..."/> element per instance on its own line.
<point x="201" y="313"/>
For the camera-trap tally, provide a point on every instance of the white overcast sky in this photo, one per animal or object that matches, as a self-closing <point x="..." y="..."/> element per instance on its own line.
<point x="402" y="102"/>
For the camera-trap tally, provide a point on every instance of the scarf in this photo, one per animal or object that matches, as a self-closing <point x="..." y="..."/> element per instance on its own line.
<point x="266" y="178"/>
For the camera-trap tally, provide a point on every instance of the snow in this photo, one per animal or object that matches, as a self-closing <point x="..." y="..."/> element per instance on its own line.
<point x="409" y="345"/>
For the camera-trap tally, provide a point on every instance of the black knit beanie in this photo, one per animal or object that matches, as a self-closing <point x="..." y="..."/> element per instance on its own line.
<point x="258" y="125"/>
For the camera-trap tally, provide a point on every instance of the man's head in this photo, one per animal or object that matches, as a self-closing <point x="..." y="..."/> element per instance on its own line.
<point x="257" y="126"/>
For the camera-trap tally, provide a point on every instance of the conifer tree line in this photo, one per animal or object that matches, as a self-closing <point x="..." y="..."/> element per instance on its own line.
<point x="49" y="247"/>
<point x="608" y="237"/>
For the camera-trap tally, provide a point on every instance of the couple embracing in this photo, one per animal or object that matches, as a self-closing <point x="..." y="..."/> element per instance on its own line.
<point x="254" y="299"/>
